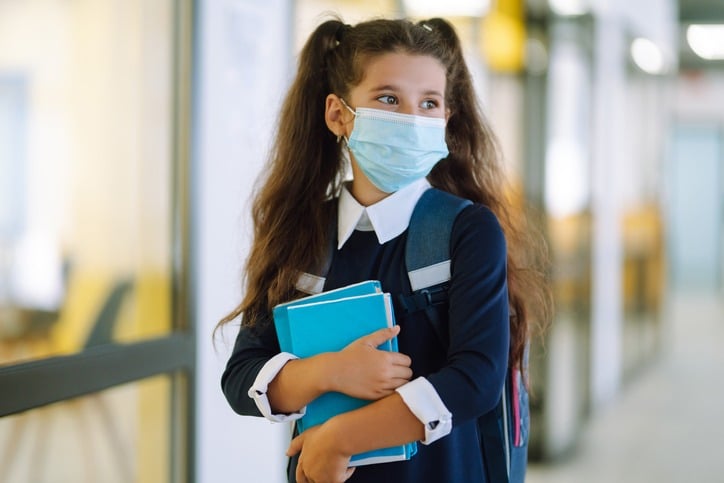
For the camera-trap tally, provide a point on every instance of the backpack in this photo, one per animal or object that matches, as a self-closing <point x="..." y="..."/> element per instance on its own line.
<point x="503" y="430"/>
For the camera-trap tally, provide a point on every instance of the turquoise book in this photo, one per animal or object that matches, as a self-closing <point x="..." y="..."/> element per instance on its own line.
<point x="330" y="323"/>
<point x="281" y="323"/>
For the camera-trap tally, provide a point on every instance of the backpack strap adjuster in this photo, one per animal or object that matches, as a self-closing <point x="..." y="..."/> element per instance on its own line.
<point x="422" y="299"/>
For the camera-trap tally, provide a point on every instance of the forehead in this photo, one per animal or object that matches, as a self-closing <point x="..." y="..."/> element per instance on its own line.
<point x="409" y="71"/>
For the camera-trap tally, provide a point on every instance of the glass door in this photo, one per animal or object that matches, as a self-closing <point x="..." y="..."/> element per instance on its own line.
<point x="96" y="343"/>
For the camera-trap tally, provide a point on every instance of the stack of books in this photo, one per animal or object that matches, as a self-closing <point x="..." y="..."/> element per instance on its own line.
<point x="329" y="322"/>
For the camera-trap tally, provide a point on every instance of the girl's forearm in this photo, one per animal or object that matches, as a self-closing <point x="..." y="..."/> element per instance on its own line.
<point x="381" y="424"/>
<point x="299" y="382"/>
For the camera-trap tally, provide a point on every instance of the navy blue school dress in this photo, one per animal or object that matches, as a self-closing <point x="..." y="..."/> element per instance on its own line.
<point x="461" y="378"/>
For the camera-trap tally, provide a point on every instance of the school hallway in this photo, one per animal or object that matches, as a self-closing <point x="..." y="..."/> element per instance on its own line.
<point x="667" y="424"/>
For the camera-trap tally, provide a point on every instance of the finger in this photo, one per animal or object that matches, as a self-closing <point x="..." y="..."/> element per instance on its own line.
<point x="378" y="337"/>
<point x="404" y="373"/>
<point x="395" y="383"/>
<point x="389" y="386"/>
<point x="296" y="445"/>
<point x="399" y="359"/>
<point x="396" y="370"/>
<point x="348" y="473"/>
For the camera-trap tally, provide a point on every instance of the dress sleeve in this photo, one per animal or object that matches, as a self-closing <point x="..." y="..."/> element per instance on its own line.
<point x="472" y="378"/>
<point x="256" y="350"/>
<point x="425" y="403"/>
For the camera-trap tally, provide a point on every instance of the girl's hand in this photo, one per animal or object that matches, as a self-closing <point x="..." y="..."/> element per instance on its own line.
<point x="363" y="371"/>
<point x="321" y="460"/>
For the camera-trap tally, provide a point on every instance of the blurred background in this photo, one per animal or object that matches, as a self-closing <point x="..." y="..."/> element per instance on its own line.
<point x="131" y="134"/>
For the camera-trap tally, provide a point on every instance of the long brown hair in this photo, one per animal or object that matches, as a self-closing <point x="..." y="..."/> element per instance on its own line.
<point x="290" y="215"/>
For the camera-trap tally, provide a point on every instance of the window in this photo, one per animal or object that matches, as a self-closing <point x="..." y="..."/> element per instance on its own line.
<point x="93" y="225"/>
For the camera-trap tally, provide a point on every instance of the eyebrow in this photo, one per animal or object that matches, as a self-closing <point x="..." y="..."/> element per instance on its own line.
<point x="390" y="87"/>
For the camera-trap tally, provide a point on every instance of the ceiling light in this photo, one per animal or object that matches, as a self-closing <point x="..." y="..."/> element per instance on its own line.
<point x="447" y="8"/>
<point x="647" y="56"/>
<point x="569" y="8"/>
<point x="707" y="41"/>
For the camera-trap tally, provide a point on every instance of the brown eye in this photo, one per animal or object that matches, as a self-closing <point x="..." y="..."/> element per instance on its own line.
<point x="387" y="99"/>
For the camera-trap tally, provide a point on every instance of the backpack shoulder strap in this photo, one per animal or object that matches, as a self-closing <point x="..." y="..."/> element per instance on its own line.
<point x="427" y="253"/>
<point x="312" y="282"/>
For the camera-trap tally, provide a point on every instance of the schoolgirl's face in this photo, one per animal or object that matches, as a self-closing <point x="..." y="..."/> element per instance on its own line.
<point x="396" y="82"/>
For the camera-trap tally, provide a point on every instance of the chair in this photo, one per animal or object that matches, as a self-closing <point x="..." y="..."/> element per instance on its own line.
<point x="101" y="333"/>
<point x="102" y="330"/>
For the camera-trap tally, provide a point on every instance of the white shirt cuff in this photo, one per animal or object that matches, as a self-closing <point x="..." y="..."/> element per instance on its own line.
<point x="425" y="403"/>
<point x="257" y="391"/>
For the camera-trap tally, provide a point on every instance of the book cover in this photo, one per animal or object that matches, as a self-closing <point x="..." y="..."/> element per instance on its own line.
<point x="331" y="325"/>
<point x="281" y="323"/>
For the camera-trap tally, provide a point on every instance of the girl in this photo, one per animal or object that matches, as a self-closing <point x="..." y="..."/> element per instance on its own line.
<point x="351" y="83"/>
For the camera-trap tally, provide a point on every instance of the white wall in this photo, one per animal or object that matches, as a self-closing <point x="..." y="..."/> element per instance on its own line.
<point x="244" y="57"/>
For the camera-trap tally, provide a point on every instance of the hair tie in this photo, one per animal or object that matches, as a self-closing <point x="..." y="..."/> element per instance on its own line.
<point x="341" y="31"/>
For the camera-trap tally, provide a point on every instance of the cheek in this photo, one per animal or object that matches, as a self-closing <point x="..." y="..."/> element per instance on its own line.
<point x="356" y="172"/>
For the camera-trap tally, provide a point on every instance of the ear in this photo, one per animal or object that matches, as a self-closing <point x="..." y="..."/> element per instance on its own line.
<point x="335" y="114"/>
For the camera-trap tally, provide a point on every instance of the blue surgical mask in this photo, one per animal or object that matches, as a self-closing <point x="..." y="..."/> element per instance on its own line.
<point x="393" y="150"/>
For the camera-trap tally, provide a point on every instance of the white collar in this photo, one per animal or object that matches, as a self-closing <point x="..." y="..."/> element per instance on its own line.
<point x="388" y="218"/>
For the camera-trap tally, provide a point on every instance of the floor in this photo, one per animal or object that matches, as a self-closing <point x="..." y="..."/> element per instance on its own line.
<point x="668" y="424"/>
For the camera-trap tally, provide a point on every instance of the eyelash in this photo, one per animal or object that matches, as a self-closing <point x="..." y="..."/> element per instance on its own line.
<point x="385" y="98"/>
<point x="428" y="103"/>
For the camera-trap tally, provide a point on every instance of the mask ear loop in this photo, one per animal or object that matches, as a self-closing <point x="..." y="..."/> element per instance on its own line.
<point x="348" y="108"/>
<point x="339" y="137"/>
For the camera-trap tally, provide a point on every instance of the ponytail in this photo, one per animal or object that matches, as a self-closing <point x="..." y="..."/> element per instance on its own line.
<point x="289" y="211"/>
<point x="473" y="170"/>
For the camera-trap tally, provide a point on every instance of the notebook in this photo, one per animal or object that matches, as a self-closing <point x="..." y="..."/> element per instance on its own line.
<point x="329" y="322"/>
<point x="280" y="311"/>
